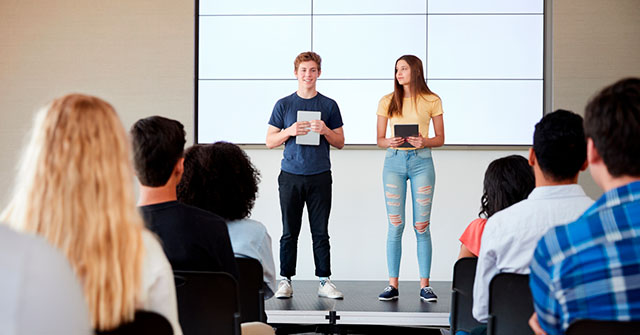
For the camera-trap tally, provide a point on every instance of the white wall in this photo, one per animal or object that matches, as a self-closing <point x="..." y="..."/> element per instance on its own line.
<point x="139" y="56"/>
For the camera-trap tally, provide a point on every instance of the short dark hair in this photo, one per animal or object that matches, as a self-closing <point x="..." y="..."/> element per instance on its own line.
<point x="158" y="144"/>
<point x="612" y="121"/>
<point x="219" y="178"/>
<point x="560" y="145"/>
<point x="507" y="181"/>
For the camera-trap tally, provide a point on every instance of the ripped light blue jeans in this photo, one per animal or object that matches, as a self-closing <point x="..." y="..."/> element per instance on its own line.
<point x="417" y="167"/>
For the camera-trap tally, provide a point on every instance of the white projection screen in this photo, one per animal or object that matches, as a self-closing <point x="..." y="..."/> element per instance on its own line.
<point x="484" y="58"/>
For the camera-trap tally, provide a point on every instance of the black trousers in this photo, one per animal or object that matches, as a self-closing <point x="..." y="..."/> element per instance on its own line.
<point x="295" y="192"/>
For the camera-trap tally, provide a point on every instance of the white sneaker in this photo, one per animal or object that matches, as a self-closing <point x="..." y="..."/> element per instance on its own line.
<point x="285" y="291"/>
<point x="329" y="290"/>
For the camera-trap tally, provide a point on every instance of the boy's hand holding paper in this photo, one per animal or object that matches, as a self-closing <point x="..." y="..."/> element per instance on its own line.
<point x="299" y="128"/>
<point x="318" y="126"/>
<point x="312" y="121"/>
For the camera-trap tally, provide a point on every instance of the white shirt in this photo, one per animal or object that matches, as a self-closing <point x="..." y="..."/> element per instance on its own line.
<point x="511" y="235"/>
<point x="158" y="286"/>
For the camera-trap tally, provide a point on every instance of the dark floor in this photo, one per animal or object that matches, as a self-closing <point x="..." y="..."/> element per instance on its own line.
<point x="361" y="296"/>
<point x="376" y="331"/>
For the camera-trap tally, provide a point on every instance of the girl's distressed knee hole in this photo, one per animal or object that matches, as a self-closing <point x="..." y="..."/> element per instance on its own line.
<point x="421" y="227"/>
<point x="395" y="219"/>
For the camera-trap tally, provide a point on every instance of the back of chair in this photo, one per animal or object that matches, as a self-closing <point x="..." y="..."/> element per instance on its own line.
<point x="593" y="327"/>
<point x="144" y="323"/>
<point x="207" y="302"/>
<point x="251" y="290"/>
<point x="464" y="272"/>
<point x="510" y="304"/>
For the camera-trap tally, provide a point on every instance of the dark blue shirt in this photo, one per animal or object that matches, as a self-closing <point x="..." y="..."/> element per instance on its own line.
<point x="305" y="159"/>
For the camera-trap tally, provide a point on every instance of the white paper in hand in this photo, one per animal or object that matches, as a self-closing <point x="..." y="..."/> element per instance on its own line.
<point x="311" y="138"/>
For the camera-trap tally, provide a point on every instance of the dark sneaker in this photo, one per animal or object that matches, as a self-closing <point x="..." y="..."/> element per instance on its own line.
<point x="427" y="294"/>
<point x="389" y="293"/>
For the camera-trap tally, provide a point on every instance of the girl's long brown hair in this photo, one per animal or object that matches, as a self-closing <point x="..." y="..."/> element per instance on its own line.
<point x="418" y="85"/>
<point x="75" y="188"/>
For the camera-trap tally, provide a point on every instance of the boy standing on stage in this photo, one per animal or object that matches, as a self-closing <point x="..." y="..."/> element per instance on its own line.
<point x="305" y="175"/>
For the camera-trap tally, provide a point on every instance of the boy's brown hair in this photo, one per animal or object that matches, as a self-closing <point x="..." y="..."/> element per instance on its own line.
<point x="307" y="56"/>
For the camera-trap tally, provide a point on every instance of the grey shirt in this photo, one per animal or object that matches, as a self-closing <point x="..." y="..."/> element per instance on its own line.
<point x="39" y="293"/>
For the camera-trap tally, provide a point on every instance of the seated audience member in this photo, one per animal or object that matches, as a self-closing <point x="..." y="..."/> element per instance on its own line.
<point x="590" y="268"/>
<point x="510" y="235"/>
<point x="75" y="189"/>
<point x="40" y="293"/>
<point x="507" y="180"/>
<point x="192" y="238"/>
<point x="221" y="179"/>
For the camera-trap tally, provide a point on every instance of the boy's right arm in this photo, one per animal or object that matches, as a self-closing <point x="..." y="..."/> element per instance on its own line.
<point x="276" y="136"/>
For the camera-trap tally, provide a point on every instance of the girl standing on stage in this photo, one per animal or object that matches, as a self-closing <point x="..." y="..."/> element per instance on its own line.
<point x="411" y="102"/>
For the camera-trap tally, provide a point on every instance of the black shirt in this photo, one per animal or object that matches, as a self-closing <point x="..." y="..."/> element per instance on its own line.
<point x="193" y="239"/>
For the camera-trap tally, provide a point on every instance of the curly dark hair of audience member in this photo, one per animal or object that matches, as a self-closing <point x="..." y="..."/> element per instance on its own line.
<point x="219" y="178"/>
<point x="612" y="122"/>
<point x="507" y="180"/>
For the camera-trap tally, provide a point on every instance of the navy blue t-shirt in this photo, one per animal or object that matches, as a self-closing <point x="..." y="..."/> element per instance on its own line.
<point x="305" y="159"/>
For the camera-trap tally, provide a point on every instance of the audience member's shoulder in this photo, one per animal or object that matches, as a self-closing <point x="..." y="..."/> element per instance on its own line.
<point x="252" y="224"/>
<point x="151" y="242"/>
<point x="201" y="215"/>
<point x="37" y="254"/>
<point x="561" y="240"/>
<point x="45" y="279"/>
<point x="15" y="243"/>
<point x="581" y="194"/>
<point x="478" y="222"/>
<point x="159" y="207"/>
<point x="505" y="216"/>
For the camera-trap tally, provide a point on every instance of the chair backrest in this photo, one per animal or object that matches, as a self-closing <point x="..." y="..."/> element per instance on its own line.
<point x="144" y="322"/>
<point x="593" y="327"/>
<point x="251" y="284"/>
<point x="510" y="304"/>
<point x="207" y="302"/>
<point x="464" y="272"/>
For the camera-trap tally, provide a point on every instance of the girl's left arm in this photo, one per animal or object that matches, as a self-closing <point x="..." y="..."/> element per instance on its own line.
<point x="432" y="142"/>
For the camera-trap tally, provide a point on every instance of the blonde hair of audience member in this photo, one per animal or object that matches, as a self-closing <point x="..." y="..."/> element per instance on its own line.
<point x="75" y="188"/>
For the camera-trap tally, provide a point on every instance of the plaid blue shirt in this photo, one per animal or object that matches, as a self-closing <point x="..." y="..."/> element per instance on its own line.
<point x="590" y="269"/>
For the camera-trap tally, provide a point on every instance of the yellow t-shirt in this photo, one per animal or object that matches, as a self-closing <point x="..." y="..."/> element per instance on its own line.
<point x="428" y="106"/>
